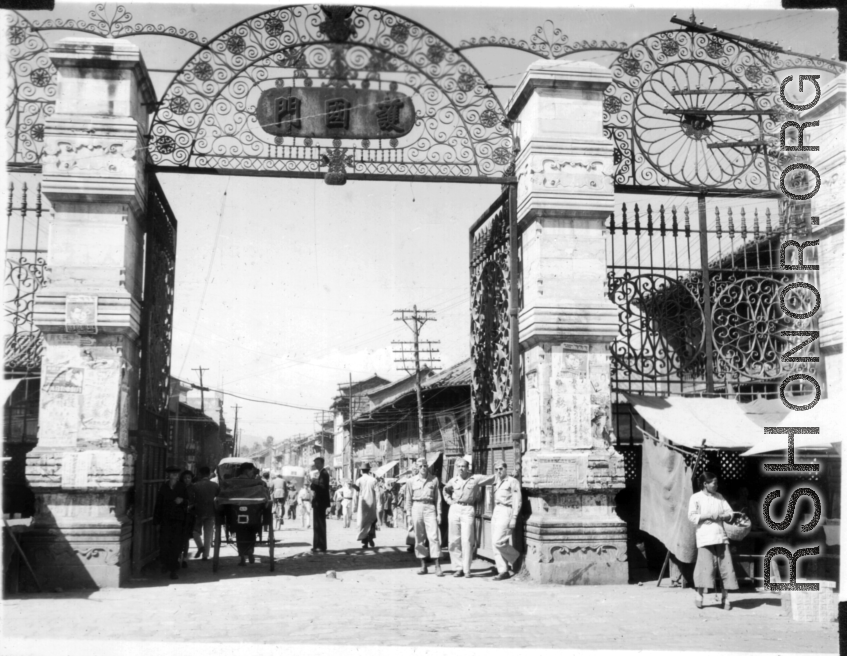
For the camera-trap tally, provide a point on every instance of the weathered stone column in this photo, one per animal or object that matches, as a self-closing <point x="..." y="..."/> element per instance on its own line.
<point x="89" y="312"/>
<point x="565" y="193"/>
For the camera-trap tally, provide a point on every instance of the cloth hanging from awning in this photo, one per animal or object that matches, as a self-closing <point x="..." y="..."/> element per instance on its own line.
<point x="665" y="491"/>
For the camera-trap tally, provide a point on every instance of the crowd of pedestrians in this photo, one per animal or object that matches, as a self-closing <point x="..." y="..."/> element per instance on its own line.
<point x="185" y="511"/>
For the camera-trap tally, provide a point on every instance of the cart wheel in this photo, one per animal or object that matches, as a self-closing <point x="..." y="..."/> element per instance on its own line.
<point x="217" y="553"/>
<point x="271" y="544"/>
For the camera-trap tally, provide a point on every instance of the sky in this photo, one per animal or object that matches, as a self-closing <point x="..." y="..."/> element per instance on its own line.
<point x="285" y="287"/>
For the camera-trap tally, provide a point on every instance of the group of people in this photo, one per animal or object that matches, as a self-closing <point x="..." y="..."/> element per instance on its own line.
<point x="421" y="501"/>
<point x="185" y="508"/>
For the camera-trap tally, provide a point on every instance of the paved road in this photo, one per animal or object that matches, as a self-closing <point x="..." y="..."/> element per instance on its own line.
<point x="377" y="599"/>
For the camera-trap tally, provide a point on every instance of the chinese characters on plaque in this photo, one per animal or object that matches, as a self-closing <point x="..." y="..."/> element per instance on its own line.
<point x="322" y="112"/>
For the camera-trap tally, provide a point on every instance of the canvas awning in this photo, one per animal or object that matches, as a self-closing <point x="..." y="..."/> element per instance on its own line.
<point x="9" y="386"/>
<point x="727" y="424"/>
<point x="384" y="469"/>
<point x="822" y="416"/>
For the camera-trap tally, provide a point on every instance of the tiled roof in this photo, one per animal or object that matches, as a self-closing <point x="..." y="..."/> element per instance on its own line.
<point x="455" y="376"/>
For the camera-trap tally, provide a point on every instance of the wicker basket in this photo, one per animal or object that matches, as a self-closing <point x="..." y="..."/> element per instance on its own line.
<point x="738" y="529"/>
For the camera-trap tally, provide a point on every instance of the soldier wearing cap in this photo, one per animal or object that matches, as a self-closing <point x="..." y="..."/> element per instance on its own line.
<point x="462" y="493"/>
<point x="170" y="516"/>
<point x="423" y="512"/>
<point x="507" y="506"/>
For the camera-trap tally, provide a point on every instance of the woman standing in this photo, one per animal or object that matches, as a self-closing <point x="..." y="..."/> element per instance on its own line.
<point x="708" y="510"/>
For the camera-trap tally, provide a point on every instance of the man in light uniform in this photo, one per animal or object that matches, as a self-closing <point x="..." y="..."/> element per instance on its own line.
<point x="507" y="507"/>
<point x="462" y="493"/>
<point x="346" y="503"/>
<point x="423" y="512"/>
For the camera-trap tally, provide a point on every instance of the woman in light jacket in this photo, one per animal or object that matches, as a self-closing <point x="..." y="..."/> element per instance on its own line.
<point x="708" y="510"/>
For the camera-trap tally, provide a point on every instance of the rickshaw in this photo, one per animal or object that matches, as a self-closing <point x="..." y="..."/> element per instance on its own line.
<point x="236" y="505"/>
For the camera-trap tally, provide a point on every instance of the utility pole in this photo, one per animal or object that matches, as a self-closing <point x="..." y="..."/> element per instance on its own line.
<point x="422" y="351"/>
<point x="201" y="388"/>
<point x="235" y="435"/>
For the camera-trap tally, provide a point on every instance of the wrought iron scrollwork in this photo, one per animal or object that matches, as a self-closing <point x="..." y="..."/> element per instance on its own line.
<point x="31" y="93"/>
<point x="547" y="41"/>
<point x="661" y="324"/>
<point x="490" y="333"/>
<point x="208" y="117"/>
<point x="25" y="275"/>
<point x="662" y="290"/>
<point x="117" y="25"/>
<point x="675" y="93"/>
<point x="157" y="314"/>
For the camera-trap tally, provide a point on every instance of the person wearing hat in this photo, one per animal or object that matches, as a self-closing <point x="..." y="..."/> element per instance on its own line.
<point x="320" y="502"/>
<point x="462" y="493"/>
<point x="169" y="515"/>
<point x="507" y="507"/>
<point x="367" y="489"/>
<point x="423" y="512"/>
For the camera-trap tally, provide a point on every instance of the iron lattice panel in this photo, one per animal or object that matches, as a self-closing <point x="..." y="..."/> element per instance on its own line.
<point x="209" y="119"/>
<point x="632" y="464"/>
<point x="26" y="249"/>
<point x="675" y="93"/>
<point x="31" y="80"/>
<point x="157" y="313"/>
<point x="491" y="336"/>
<point x="698" y="306"/>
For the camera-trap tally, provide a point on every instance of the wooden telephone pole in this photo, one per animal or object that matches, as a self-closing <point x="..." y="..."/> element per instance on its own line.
<point x="202" y="389"/>
<point x="235" y="437"/>
<point x="421" y="352"/>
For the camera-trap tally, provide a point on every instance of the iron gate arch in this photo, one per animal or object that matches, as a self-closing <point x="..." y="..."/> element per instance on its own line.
<point x="370" y="55"/>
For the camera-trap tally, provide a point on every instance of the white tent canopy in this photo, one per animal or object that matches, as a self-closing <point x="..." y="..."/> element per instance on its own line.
<point x="726" y="424"/>
<point x="382" y="470"/>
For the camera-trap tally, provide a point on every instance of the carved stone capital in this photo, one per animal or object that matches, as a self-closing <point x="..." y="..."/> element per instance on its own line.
<point x="88" y="160"/>
<point x="582" y="321"/>
<point x="565" y="180"/>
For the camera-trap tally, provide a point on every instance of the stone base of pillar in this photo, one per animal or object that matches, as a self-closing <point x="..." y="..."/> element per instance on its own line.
<point x="78" y="557"/>
<point x="81" y="535"/>
<point x="575" y="539"/>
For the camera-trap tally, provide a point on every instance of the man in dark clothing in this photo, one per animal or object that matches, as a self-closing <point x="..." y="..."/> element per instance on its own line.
<point x="245" y="534"/>
<point x="320" y="503"/>
<point x="169" y="515"/>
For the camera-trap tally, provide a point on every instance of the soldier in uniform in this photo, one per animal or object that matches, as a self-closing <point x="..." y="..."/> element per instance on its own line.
<point x="169" y="515"/>
<point x="423" y="512"/>
<point x="462" y="493"/>
<point x="507" y="507"/>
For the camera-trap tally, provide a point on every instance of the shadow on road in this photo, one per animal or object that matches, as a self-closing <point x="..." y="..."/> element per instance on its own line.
<point x="749" y="604"/>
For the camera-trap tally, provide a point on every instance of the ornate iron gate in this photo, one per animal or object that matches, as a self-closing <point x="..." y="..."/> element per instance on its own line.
<point x="495" y="350"/>
<point x="155" y="358"/>
<point x="697" y="293"/>
<point x="26" y="246"/>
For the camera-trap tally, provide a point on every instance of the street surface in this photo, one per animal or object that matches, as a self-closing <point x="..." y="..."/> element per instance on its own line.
<point x="377" y="599"/>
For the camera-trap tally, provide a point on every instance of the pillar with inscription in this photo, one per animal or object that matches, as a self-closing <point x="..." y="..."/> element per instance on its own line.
<point x="89" y="311"/>
<point x="565" y="194"/>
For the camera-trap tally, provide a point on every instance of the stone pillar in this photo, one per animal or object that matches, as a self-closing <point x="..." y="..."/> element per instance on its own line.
<point x="565" y="193"/>
<point x="828" y="205"/>
<point x="89" y="311"/>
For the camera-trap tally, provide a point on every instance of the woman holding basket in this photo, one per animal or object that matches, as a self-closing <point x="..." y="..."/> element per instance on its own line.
<point x="708" y="510"/>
